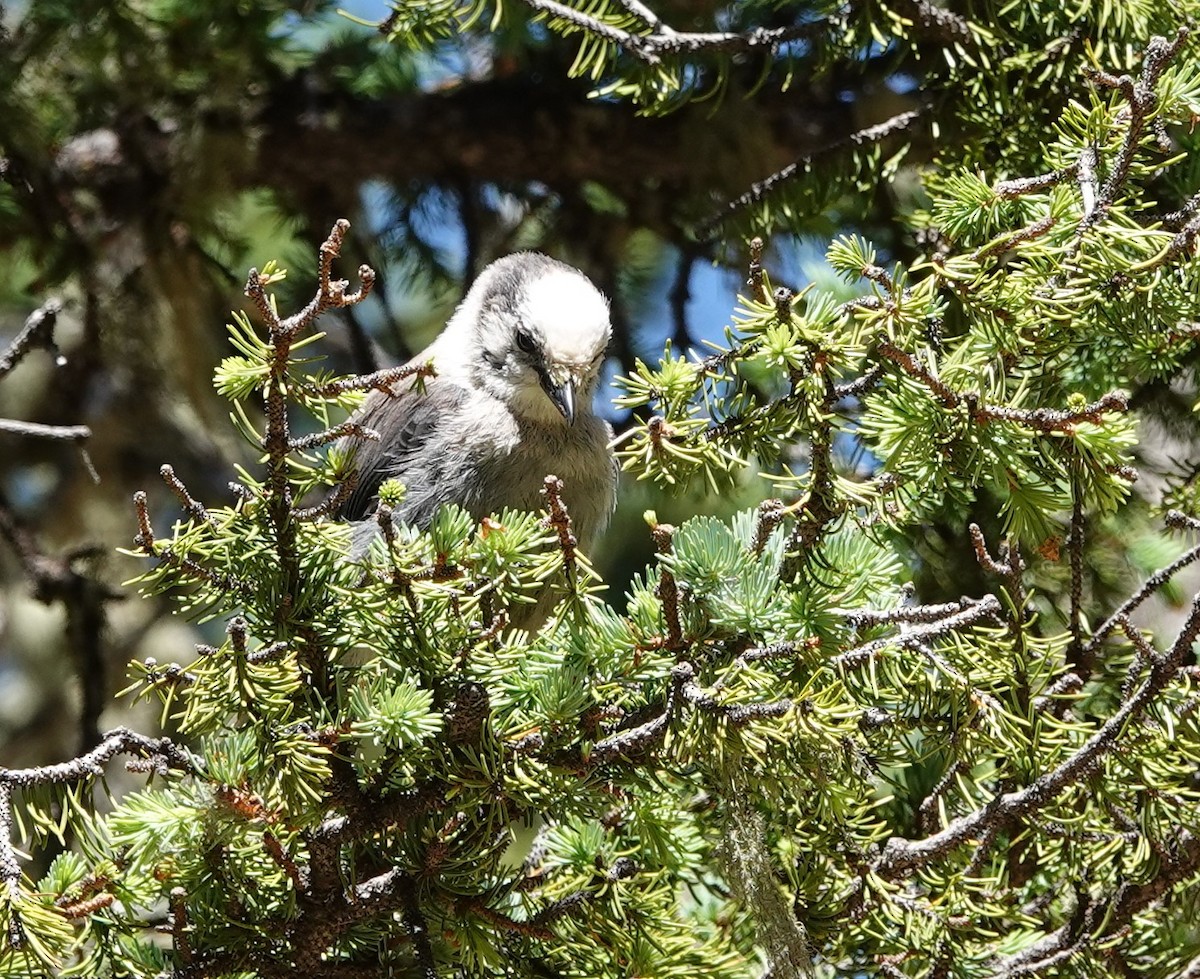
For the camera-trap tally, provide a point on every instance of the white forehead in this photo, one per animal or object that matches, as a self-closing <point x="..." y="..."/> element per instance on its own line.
<point x="569" y="313"/>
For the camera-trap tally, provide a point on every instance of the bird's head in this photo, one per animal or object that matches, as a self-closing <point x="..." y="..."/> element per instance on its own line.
<point x="539" y="329"/>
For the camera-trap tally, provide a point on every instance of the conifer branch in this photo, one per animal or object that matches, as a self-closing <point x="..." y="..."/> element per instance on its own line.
<point x="1078" y="661"/>
<point x="900" y="857"/>
<point x="760" y="190"/>
<point x="660" y="41"/>
<point x="1142" y="99"/>
<point x="329" y="435"/>
<point x="1045" y="420"/>
<point x="1004" y="245"/>
<point x="381" y="380"/>
<point x="1149" y="587"/>
<point x="1012" y="189"/>
<point x="167" y="554"/>
<point x="1106" y="915"/>
<point x="754" y="276"/>
<point x="559" y="520"/>
<point x="984" y="608"/>
<point x="737" y="714"/>
<point x="866" y="618"/>
<point x="179" y="925"/>
<point x="162" y="753"/>
<point x="332" y="504"/>
<point x="668" y="591"/>
<point x="635" y="741"/>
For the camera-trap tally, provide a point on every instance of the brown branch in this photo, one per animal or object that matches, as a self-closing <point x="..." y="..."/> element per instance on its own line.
<point x="378" y="381"/>
<point x="668" y="590"/>
<point x="866" y="618"/>
<point x="1077" y="660"/>
<point x="770" y="516"/>
<point x="649" y="47"/>
<point x="166" y="554"/>
<point x="1149" y="587"/>
<point x="192" y="506"/>
<point x="559" y="520"/>
<point x="324" y="437"/>
<point x="635" y="740"/>
<point x="915" y="369"/>
<point x="164" y="754"/>
<point x="754" y="276"/>
<point x="1044" y="420"/>
<point x="1107" y="914"/>
<point x="935" y="22"/>
<point x="1143" y="100"/>
<point x="332" y="503"/>
<point x="179" y="925"/>
<point x="1005" y="243"/>
<point x="737" y="714"/>
<point x="1011" y="189"/>
<point x="1052" y="419"/>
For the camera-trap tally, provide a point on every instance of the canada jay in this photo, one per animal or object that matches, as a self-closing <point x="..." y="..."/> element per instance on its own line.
<point x="510" y="402"/>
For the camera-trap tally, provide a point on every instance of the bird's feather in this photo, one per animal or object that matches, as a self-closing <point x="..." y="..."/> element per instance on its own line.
<point x="405" y="419"/>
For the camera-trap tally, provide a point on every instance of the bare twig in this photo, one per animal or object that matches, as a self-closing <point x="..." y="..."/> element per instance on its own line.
<point x="38" y="331"/>
<point x="59" y="433"/>
<point x="1019" y="186"/>
<point x="195" y="508"/>
<point x="378" y="381"/>
<point x="663" y="535"/>
<point x="754" y="277"/>
<point x="1149" y="587"/>
<point x="1142" y="100"/>
<point x="559" y="520"/>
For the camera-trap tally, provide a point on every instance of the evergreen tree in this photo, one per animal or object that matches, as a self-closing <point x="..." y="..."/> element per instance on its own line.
<point x="781" y="757"/>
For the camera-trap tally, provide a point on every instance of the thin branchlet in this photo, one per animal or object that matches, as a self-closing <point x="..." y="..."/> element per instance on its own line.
<point x="1142" y="97"/>
<point x="381" y="380"/>
<point x="38" y="331"/>
<point x="663" y="536"/>
<point x="759" y="191"/>
<point x="194" y="508"/>
<point x="329" y="506"/>
<point x="984" y="609"/>
<point x="754" y="275"/>
<point x="559" y="520"/>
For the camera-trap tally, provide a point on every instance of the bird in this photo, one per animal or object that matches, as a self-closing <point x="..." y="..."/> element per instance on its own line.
<point x="510" y="401"/>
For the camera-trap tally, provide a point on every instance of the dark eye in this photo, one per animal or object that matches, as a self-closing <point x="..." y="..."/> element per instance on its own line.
<point x="526" y="342"/>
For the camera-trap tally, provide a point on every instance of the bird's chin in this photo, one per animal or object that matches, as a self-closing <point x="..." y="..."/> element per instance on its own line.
<point x="532" y="404"/>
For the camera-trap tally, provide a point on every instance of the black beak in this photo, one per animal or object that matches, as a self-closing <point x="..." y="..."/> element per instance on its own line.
<point x="563" y="396"/>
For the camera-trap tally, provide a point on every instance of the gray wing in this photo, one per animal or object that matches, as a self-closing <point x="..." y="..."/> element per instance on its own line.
<point x="405" y="421"/>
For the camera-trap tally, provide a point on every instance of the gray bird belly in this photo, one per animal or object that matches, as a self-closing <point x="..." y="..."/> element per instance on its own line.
<point x="480" y="457"/>
<point x="578" y="456"/>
